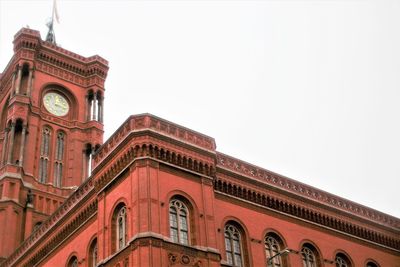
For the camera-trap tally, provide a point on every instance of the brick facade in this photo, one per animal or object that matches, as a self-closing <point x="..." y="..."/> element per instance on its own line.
<point x="158" y="194"/>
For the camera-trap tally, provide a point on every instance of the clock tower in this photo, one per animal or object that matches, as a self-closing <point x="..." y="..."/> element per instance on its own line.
<point x="51" y="123"/>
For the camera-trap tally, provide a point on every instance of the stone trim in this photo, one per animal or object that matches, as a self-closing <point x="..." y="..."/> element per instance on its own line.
<point x="156" y="125"/>
<point x="191" y="253"/>
<point x="283" y="206"/>
<point x="254" y="172"/>
<point x="154" y="151"/>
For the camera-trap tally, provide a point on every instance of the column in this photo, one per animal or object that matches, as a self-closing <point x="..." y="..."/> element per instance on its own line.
<point x="17" y="86"/>
<point x="91" y="161"/>
<point x="22" y="147"/>
<point x="100" y="109"/>
<point x="94" y="106"/>
<point x="88" y="108"/>
<point x="84" y="165"/>
<point x="30" y="82"/>
<point x="10" y="147"/>
<point x="13" y="83"/>
<point x="3" y="153"/>
<point x="28" y="220"/>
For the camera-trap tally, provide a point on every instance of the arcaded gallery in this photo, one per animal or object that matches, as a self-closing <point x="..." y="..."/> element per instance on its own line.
<point x="155" y="193"/>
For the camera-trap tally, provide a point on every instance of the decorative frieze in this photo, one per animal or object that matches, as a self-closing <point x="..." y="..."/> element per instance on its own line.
<point x="60" y="62"/>
<point x="163" y="127"/>
<point x="155" y="151"/>
<point x="276" y="180"/>
<point x="305" y="213"/>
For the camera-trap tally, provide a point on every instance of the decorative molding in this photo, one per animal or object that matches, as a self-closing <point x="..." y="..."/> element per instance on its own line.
<point x="177" y="253"/>
<point x="67" y="74"/>
<point x="54" y="60"/>
<point x="156" y="125"/>
<point x="289" y="185"/>
<point x="153" y="151"/>
<point x="305" y="213"/>
<point x="27" y="44"/>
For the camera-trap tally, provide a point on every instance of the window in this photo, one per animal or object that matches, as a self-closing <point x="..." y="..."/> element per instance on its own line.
<point x="121" y="228"/>
<point x="58" y="165"/>
<point x="342" y="261"/>
<point x="233" y="245"/>
<point x="308" y="257"/>
<point x="73" y="262"/>
<point x="93" y="254"/>
<point x="44" y="155"/>
<point x="272" y="247"/>
<point x="178" y="222"/>
<point x="371" y="264"/>
<point x="118" y="225"/>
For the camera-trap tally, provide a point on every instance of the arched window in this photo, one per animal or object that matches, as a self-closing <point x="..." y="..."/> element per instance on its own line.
<point x="273" y="245"/>
<point x="73" y="262"/>
<point x="59" y="159"/>
<point x="371" y="264"/>
<point x="93" y="254"/>
<point x="342" y="261"/>
<point x="119" y="227"/>
<point x="233" y="245"/>
<point x="178" y="222"/>
<point x="308" y="257"/>
<point x="44" y="155"/>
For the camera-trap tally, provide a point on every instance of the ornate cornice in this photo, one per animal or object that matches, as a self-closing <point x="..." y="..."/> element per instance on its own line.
<point x="59" y="62"/>
<point x="289" y="185"/>
<point x="143" y="150"/>
<point x="303" y="212"/>
<point x="163" y="127"/>
<point x="73" y="73"/>
<point x="54" y="60"/>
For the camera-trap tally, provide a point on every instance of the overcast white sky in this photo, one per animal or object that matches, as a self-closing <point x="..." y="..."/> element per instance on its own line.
<point x="308" y="89"/>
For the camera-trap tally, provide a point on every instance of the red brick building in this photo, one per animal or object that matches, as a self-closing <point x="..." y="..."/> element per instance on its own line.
<point x="155" y="193"/>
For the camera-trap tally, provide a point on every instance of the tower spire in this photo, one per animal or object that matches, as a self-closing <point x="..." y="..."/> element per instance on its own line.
<point x="51" y="36"/>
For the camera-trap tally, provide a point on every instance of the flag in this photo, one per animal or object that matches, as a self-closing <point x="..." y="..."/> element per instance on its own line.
<point x="55" y="12"/>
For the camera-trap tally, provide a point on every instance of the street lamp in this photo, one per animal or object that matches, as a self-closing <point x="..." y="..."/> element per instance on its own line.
<point x="280" y="253"/>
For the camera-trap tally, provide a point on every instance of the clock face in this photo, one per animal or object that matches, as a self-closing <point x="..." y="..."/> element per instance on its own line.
<point x="56" y="104"/>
